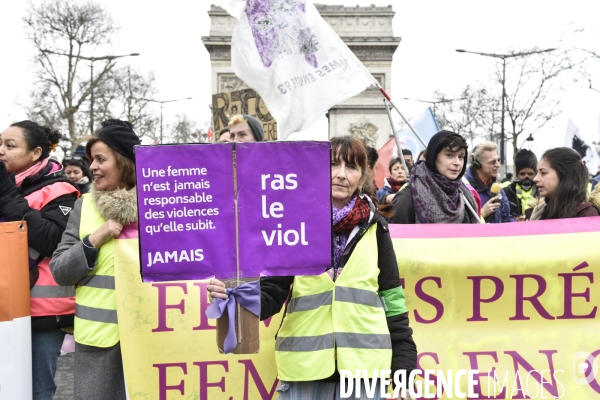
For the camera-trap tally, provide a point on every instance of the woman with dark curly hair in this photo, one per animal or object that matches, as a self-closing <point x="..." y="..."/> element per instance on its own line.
<point x="34" y="188"/>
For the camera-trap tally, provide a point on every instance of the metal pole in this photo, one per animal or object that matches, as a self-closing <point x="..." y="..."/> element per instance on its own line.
<point x="387" y="108"/>
<point x="387" y="96"/>
<point x="161" y="136"/>
<point x="92" y="97"/>
<point x="502" y="122"/>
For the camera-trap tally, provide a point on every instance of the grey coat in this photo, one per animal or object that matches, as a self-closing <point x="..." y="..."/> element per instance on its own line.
<point x="98" y="371"/>
<point x="69" y="264"/>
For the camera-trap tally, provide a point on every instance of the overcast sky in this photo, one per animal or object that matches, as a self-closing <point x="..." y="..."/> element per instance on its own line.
<point x="168" y="36"/>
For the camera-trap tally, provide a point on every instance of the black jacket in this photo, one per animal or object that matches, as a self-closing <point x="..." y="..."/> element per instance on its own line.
<point x="45" y="226"/>
<point x="275" y="291"/>
<point x="516" y="208"/>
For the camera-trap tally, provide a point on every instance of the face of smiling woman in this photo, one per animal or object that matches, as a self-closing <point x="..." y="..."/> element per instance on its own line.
<point x="107" y="175"/>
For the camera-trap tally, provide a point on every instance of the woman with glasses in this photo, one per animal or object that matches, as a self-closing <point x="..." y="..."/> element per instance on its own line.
<point x="77" y="170"/>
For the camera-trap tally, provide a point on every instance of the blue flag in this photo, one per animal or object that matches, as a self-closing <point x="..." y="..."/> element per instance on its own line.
<point x="426" y="126"/>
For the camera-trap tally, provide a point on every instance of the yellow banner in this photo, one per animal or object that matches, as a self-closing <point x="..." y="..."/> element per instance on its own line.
<point x="522" y="303"/>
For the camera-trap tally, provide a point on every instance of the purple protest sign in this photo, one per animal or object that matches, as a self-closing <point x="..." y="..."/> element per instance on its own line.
<point x="284" y="208"/>
<point x="186" y="211"/>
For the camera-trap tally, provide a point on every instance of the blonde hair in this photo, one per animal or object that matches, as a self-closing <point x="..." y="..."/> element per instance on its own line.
<point x="481" y="147"/>
<point x="237" y="119"/>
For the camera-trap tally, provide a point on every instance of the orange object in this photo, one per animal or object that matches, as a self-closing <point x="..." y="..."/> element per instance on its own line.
<point x="14" y="271"/>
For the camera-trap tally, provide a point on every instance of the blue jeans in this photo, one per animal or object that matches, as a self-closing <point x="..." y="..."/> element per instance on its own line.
<point x="45" y="349"/>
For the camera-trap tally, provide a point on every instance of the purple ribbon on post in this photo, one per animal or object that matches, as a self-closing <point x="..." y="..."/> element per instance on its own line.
<point x="248" y="295"/>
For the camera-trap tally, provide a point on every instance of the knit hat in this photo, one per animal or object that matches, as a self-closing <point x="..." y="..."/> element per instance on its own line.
<point x="525" y="159"/>
<point x="121" y="139"/>
<point x="434" y="148"/>
<point x="256" y="128"/>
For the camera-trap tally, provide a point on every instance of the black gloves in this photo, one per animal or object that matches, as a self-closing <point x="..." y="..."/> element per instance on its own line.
<point x="7" y="181"/>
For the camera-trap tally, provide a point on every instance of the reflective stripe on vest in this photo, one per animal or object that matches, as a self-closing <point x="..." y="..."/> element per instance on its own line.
<point x="96" y="309"/>
<point x="47" y="297"/>
<point x="345" y="317"/>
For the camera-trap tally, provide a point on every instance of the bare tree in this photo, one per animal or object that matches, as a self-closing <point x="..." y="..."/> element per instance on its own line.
<point x="63" y="31"/>
<point x="184" y="130"/>
<point x="66" y="35"/>
<point x="532" y="92"/>
<point x="126" y="94"/>
<point x="471" y="113"/>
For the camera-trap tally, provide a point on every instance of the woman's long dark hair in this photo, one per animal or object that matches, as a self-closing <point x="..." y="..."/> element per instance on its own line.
<point x="572" y="185"/>
<point x="353" y="151"/>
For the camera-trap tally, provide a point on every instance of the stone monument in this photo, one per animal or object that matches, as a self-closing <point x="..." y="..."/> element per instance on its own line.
<point x="367" y="31"/>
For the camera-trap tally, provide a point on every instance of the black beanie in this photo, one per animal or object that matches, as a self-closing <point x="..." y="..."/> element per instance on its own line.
<point x="434" y="148"/>
<point x="525" y="159"/>
<point x="256" y="127"/>
<point x="121" y="139"/>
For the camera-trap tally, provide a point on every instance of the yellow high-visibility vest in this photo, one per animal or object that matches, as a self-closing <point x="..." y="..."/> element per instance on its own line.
<point x="95" y="299"/>
<point x="344" y="319"/>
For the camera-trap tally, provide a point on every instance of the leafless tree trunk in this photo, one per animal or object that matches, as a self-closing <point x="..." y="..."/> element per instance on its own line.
<point x="63" y="31"/>
<point x="532" y="92"/>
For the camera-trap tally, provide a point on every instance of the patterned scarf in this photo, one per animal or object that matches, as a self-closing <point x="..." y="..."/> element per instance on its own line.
<point x="344" y="220"/>
<point x="437" y="199"/>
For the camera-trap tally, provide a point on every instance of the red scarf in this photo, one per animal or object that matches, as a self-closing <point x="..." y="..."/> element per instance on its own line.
<point x="394" y="184"/>
<point x="359" y="213"/>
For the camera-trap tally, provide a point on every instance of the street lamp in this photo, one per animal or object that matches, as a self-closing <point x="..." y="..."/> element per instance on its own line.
<point x="503" y="57"/>
<point x="434" y="102"/>
<point x="529" y="142"/>
<point x="161" y="114"/>
<point x="91" y="60"/>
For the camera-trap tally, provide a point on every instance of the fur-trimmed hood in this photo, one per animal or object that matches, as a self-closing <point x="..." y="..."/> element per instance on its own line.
<point x="119" y="204"/>
<point x="594" y="197"/>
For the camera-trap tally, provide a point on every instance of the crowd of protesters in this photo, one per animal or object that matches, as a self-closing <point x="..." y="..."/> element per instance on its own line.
<point x="71" y="247"/>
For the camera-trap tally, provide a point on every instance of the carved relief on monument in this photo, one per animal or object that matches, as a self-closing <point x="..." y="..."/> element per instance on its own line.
<point x="373" y="54"/>
<point x="230" y="82"/>
<point x="379" y="78"/>
<point x="365" y="130"/>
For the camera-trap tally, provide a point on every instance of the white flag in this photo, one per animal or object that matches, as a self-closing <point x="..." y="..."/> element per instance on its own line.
<point x="285" y="51"/>
<point x="573" y="140"/>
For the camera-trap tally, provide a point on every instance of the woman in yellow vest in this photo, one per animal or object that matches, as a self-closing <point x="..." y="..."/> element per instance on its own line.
<point x="353" y="315"/>
<point x="85" y="258"/>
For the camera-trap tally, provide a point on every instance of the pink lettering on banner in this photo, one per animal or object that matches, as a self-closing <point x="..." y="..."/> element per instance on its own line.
<point x="474" y="365"/>
<point x="163" y="306"/>
<point x="519" y="361"/>
<point x="250" y="370"/>
<point x="477" y="299"/>
<point x="204" y="321"/>
<point x="535" y="302"/>
<point x="204" y="383"/>
<point x="594" y="384"/>
<point x="439" y="307"/>
<point x="162" y="379"/>
<point x="569" y="295"/>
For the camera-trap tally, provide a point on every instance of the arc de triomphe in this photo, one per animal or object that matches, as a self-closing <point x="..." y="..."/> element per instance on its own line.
<point x="368" y="33"/>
